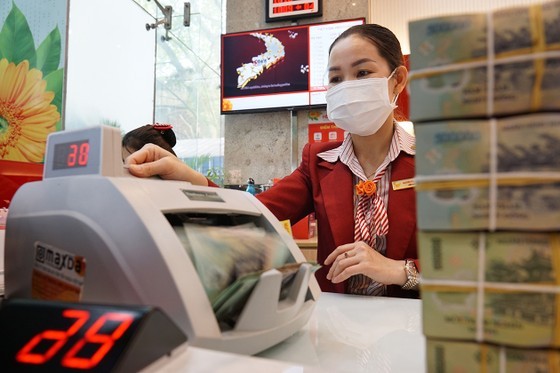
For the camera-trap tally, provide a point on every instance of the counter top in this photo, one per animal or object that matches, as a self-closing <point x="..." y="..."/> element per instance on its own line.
<point x="350" y="333"/>
<point x="346" y="333"/>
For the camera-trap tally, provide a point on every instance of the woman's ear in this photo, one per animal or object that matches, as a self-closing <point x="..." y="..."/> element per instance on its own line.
<point x="401" y="77"/>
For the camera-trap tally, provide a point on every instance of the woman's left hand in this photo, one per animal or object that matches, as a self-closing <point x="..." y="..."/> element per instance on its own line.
<point x="359" y="258"/>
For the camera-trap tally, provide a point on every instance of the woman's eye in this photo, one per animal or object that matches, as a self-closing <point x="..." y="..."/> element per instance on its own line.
<point x="334" y="80"/>
<point x="362" y="73"/>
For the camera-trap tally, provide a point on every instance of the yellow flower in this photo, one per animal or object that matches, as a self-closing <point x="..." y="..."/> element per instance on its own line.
<point x="367" y="187"/>
<point x="26" y="113"/>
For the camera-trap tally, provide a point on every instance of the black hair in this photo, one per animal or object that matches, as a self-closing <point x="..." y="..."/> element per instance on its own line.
<point x="384" y="39"/>
<point x="149" y="134"/>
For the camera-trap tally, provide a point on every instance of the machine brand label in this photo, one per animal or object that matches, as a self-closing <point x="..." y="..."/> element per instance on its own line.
<point x="57" y="274"/>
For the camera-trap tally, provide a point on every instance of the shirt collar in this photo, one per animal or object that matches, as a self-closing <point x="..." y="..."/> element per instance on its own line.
<point x="401" y="141"/>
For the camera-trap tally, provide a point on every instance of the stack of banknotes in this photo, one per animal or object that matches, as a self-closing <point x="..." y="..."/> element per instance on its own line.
<point x="485" y="102"/>
<point x="486" y="64"/>
<point x="455" y="356"/>
<point x="496" y="173"/>
<point x="497" y="287"/>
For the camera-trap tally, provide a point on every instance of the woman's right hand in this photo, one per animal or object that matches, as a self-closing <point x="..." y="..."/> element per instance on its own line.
<point x="152" y="160"/>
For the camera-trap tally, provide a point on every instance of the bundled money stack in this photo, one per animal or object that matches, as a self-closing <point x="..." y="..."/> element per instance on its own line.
<point x="485" y="102"/>
<point x="450" y="356"/>
<point x="474" y="65"/>
<point x="497" y="173"/>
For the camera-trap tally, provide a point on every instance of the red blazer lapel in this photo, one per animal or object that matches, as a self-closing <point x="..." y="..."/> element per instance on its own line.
<point x="401" y="210"/>
<point x="336" y="185"/>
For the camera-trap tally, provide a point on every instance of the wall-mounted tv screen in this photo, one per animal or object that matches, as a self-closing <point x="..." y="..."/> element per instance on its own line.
<point x="277" y="68"/>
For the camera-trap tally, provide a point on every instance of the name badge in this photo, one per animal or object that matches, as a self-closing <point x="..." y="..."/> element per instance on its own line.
<point x="403" y="184"/>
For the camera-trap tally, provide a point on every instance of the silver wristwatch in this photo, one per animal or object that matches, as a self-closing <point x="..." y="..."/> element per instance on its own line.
<point x="412" y="275"/>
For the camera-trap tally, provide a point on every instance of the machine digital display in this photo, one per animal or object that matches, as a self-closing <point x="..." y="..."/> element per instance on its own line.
<point x="88" y="151"/>
<point x="71" y="154"/>
<point x="58" y="336"/>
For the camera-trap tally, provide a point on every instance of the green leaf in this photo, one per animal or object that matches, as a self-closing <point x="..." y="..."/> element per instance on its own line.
<point x="16" y="40"/>
<point x="54" y="83"/>
<point x="48" y="53"/>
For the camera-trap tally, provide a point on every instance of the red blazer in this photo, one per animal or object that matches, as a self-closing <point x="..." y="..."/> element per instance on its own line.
<point x="327" y="189"/>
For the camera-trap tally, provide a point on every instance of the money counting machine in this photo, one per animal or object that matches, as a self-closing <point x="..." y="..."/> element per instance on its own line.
<point x="90" y="232"/>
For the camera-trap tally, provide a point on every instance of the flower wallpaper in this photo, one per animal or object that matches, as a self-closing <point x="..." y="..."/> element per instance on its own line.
<point x="31" y="86"/>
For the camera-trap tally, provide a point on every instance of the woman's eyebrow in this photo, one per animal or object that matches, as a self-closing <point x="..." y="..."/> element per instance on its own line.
<point x="361" y="61"/>
<point x="354" y="64"/>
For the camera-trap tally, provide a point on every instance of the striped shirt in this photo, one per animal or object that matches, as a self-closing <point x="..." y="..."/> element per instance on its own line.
<point x="401" y="141"/>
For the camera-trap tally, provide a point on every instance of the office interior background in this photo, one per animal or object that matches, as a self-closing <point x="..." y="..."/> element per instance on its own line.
<point x="121" y="74"/>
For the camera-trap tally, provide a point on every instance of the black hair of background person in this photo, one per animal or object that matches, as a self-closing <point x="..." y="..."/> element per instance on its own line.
<point x="238" y="49"/>
<point x="148" y="134"/>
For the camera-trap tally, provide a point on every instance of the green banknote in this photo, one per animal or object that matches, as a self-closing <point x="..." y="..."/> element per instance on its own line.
<point x="517" y="207"/>
<point x="525" y="143"/>
<point x="507" y="317"/>
<point x="509" y="257"/>
<point x="444" y="356"/>
<point x="229" y="304"/>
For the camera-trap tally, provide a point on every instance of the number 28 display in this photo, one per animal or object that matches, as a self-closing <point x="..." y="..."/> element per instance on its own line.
<point x="56" y="336"/>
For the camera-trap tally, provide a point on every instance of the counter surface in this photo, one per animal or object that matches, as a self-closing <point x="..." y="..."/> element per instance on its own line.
<point x="345" y="334"/>
<point x="349" y="333"/>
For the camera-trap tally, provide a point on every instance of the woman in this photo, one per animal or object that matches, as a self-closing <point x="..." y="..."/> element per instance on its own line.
<point x="367" y="241"/>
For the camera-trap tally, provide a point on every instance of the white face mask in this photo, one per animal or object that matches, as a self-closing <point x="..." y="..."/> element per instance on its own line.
<point x="360" y="106"/>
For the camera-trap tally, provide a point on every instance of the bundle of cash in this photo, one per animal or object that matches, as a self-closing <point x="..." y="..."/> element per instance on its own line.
<point x="485" y="64"/>
<point x="500" y="287"/>
<point x="475" y="37"/>
<point x="502" y="88"/>
<point x="526" y="207"/>
<point x="489" y="174"/>
<point x="525" y="143"/>
<point x="444" y="356"/>
<point x="493" y="257"/>
<point x="492" y="314"/>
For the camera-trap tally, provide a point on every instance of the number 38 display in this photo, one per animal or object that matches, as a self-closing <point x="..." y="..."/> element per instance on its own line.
<point x="57" y="336"/>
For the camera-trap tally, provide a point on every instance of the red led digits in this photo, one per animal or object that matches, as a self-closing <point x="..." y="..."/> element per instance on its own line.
<point x="83" y="154"/>
<point x="26" y="355"/>
<point x="72" y="359"/>
<point x="106" y="341"/>
<point x="72" y="155"/>
<point x="78" y="155"/>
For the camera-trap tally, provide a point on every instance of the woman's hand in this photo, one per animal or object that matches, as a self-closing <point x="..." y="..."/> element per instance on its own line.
<point x="152" y="160"/>
<point x="359" y="258"/>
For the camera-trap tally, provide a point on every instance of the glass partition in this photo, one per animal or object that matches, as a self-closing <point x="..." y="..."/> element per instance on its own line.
<point x="125" y="74"/>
